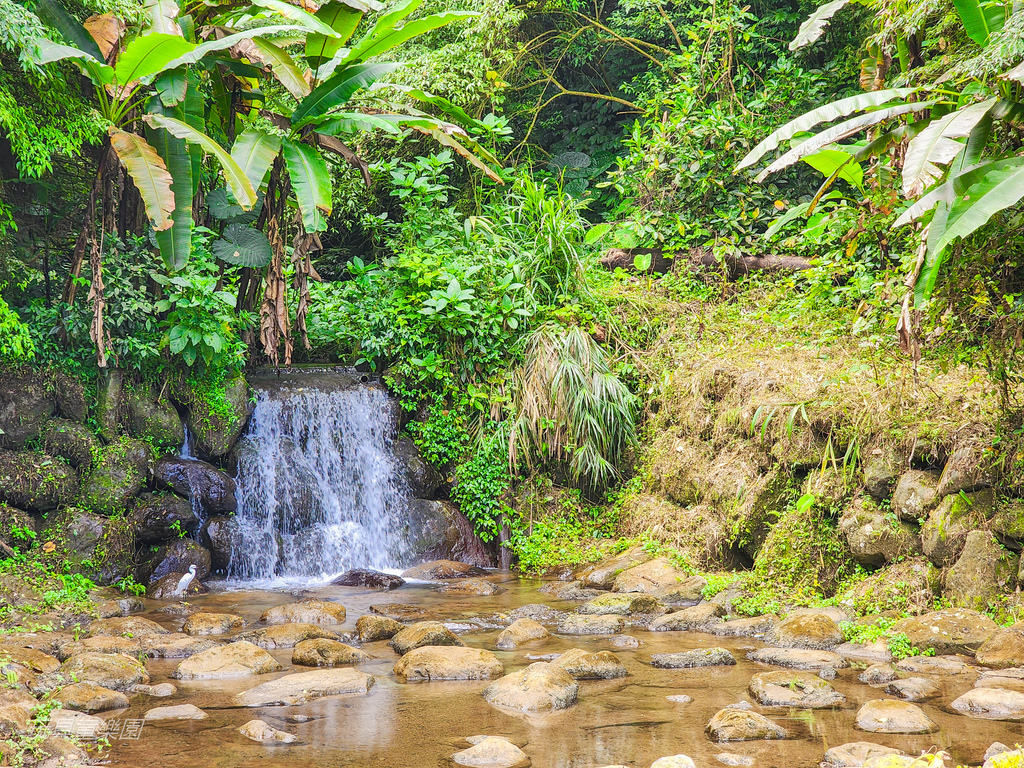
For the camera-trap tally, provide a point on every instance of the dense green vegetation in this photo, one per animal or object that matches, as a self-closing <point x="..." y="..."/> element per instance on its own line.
<point x="424" y="190"/>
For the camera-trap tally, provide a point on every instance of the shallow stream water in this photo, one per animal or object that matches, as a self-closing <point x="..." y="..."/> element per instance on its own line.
<point x="627" y="721"/>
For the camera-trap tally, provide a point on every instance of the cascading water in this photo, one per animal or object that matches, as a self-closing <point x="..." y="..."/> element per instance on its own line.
<point x="319" y="489"/>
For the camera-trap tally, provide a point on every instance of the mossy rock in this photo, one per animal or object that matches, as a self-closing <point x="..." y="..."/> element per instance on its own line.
<point x="118" y="475"/>
<point x="874" y="537"/>
<point x="679" y="468"/>
<point x="110" y="403"/>
<point x="909" y="585"/>
<point x="154" y="419"/>
<point x="25" y="405"/>
<point x="880" y="470"/>
<point x="15" y="520"/>
<point x="36" y="482"/>
<point x="101" y="548"/>
<point x="216" y="417"/>
<point x="983" y="571"/>
<point x="945" y="531"/>
<point x="70" y="440"/>
<point x="758" y="506"/>
<point x="70" y="395"/>
<point x="158" y="517"/>
<point x="1008" y="522"/>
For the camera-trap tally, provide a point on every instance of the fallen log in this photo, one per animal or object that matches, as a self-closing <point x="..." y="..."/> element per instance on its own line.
<point x="701" y="259"/>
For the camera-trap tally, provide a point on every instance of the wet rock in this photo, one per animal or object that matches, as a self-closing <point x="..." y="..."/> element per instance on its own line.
<point x="886" y="716"/>
<point x="991" y="704"/>
<point x="1005" y="759"/>
<point x="520" y="631"/>
<point x="175" y="646"/>
<point x="699" y="657"/>
<point x="69" y="393"/>
<point x="794" y="689"/>
<point x="814" y="630"/>
<point x="399" y="611"/>
<point x="877" y="674"/>
<point x="154" y="419"/>
<point x="491" y="752"/>
<point x="70" y="440"/>
<point x="855" y="754"/>
<point x="25" y="405"/>
<point x="216" y="422"/>
<point x="311" y="611"/>
<point x="124" y="606"/>
<point x="77" y="724"/>
<point x="648" y="577"/>
<point x="370" y="628"/>
<point x="570" y="590"/>
<point x="130" y="646"/>
<point x="996" y="748"/>
<point x="585" y="665"/>
<point x="362" y="577"/>
<point x="259" y="730"/>
<point x="423" y="633"/>
<point x="1005" y="648"/>
<point x="621" y="605"/>
<point x="160" y="690"/>
<point x="175" y="557"/>
<point x="36" y="482"/>
<point x="1007" y="683"/>
<point x="796" y="658"/>
<point x="945" y="532"/>
<point x="579" y="624"/>
<point x="221" y="536"/>
<point x="212" y="489"/>
<point x="321" y="652"/>
<point x="211" y="623"/>
<point x="89" y="697"/>
<point x="115" y="671"/>
<point x="913" y="689"/>
<point x="732" y="724"/>
<point x="984" y="571"/>
<point x="300" y="687"/>
<point x="176" y="712"/>
<point x="874" y="538"/>
<point x="699" y="618"/>
<point x="117" y="476"/>
<point x="166" y="588"/>
<point x="157" y="517"/>
<point x="128" y="626"/>
<point x="536" y="612"/>
<point x="480" y="587"/>
<point x="31" y="658"/>
<point x="287" y="635"/>
<point x="439" y="570"/>
<point x="757" y="626"/>
<point x="240" y="659"/>
<point x="436" y="529"/>
<point x="110" y="403"/>
<point x="448" y="663"/>
<point x="874" y="653"/>
<point x="915" y="491"/>
<point x="602" y="575"/>
<point x="954" y="630"/>
<point x="677" y="761"/>
<point x="687" y="592"/>
<point x="930" y="665"/>
<point x="422" y="477"/>
<point x="624" y="641"/>
<point x="538" y="688"/>
<point x="730" y="758"/>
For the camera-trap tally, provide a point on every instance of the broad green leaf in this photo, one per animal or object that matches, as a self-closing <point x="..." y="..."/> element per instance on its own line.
<point x="467" y="148"/>
<point x="337" y="90"/>
<point x="814" y="26"/>
<point x="235" y="177"/>
<point x="311" y="182"/>
<point x="163" y="17"/>
<point x="1017" y="73"/>
<point x="829" y="162"/>
<point x="995" y="192"/>
<point x="357" y="122"/>
<point x="254" y="151"/>
<point x="386" y="22"/>
<point x="148" y="55"/>
<point x="195" y="115"/>
<point x="937" y="145"/>
<point x="340" y="17"/>
<point x="198" y="52"/>
<point x="824" y="114"/>
<point x="933" y="258"/>
<point x="376" y="45"/>
<point x="981" y="19"/>
<point x="52" y="13"/>
<point x="283" y="68"/>
<point x="47" y="51"/>
<point x="955" y="186"/>
<point x="243" y="246"/>
<point x="445" y="106"/>
<point x="171" y="86"/>
<point x="839" y="132"/>
<point x="149" y="173"/>
<point x="596" y="232"/>
<point x="175" y="243"/>
<point x="296" y="14"/>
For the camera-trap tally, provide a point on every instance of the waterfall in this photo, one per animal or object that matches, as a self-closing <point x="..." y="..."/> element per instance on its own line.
<point x="319" y="490"/>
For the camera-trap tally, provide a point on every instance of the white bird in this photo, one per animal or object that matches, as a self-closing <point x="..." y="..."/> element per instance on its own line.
<point x="185" y="580"/>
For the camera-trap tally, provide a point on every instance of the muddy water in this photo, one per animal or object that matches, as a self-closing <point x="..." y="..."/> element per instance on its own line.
<point x="627" y="721"/>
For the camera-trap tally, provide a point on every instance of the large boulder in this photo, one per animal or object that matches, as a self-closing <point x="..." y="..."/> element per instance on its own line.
<point x="287" y="635"/>
<point x="89" y="697"/>
<point x="950" y="631"/>
<point x="239" y="659"/>
<point x="874" y="538"/>
<point x="588" y="665"/>
<point x="520" y="631"/>
<point x="423" y="633"/>
<point x="809" y="630"/>
<point x="914" y="494"/>
<point x="909" y="584"/>
<point x="69" y="393"/>
<point x="221" y="536"/>
<point x="300" y="687"/>
<point x="478" y="587"/>
<point x="422" y="478"/>
<point x="914" y="689"/>
<point x="944" y="533"/>
<point x="17" y="528"/>
<point x="322" y="652"/>
<point x="119" y="473"/>
<point x="436" y="529"/>
<point x="697" y="618"/>
<point x="431" y="662"/>
<point x="887" y="716"/>
<point x="100" y="547"/>
<point x="966" y="469"/>
<point x="175" y="557"/>
<point x="110" y="403"/>
<point x="154" y="419"/>
<point x="157" y="517"/>
<point x="602" y="575"/>
<point x="125" y="626"/>
<point x="579" y="624"/>
<point x="539" y="687"/>
<point x="799" y="658"/>
<point x="732" y="724"/>
<point x="441" y="570"/>
<point x="370" y="628"/>
<point x="1008" y="522"/>
<point x="365" y="577"/>
<point x="649" y="577"/>
<point x="202" y="623"/>
<point x="166" y="588"/>
<point x="698" y="657"/>
<point x="70" y="440"/>
<point x="794" y="689"/>
<point x="622" y="605"/>
<point x="216" y="416"/>
<point x="991" y="704"/>
<point x="209" y="487"/>
<point x="36" y="482"/>
<point x="309" y="611"/>
<point x="1005" y="648"/>
<point x="25" y="405"/>
<point x="110" y="670"/>
<point x="984" y="571"/>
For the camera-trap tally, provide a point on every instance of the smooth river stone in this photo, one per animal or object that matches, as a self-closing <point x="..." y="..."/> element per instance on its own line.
<point x="300" y="687"/>
<point x="520" y="631"/>
<point x="797" y="658"/>
<point x="286" y="635"/>
<point x="371" y="627"/>
<point x="674" y="761"/>
<point x="321" y="652"/>
<point x="794" y="689"/>
<point x="886" y="716"/>
<point x="699" y="657"/>
<point x="423" y="633"/>
<point x="913" y="689"/>
<point x="810" y="630"/>
<point x="991" y="704"/>
<point x="621" y="605"/>
<point x="698" y="618"/>
<point x="578" y="624"/>
<point x="211" y="623"/>
<point x="732" y="724"/>
<point x="241" y="659"/>
<point x="431" y="662"/>
<point x="89" y="697"/>
<point x="538" y="688"/>
<point x="125" y="626"/>
<point x="176" y="712"/>
<point x="311" y="611"/>
<point x="260" y="730"/>
<point x="491" y="752"/>
<point x="855" y="754"/>
<point x="586" y="665"/>
<point x="110" y="670"/>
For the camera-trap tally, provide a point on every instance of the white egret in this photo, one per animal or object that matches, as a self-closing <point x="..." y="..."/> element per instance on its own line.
<point x="185" y="580"/>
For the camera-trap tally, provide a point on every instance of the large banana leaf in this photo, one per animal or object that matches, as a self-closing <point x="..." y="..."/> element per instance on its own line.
<point x="311" y="182"/>
<point x="937" y="145"/>
<point x="163" y="17"/>
<point x="283" y="68"/>
<point x="981" y="19"/>
<point x="839" y="132"/>
<point x="195" y="115"/>
<point x="466" y="147"/>
<point x="198" y="52"/>
<point x="954" y="187"/>
<point x="254" y="151"/>
<point x="375" y="46"/>
<point x="933" y="257"/>
<point x="823" y="114"/>
<point x="52" y="13"/>
<point x="149" y="174"/>
<point x="995" y="192"/>
<point x="148" y="55"/>
<point x="340" y="17"/>
<point x="296" y="14"/>
<point x="337" y="90"/>
<point x="358" y="122"/>
<point x="452" y="110"/>
<point x="171" y="86"/>
<point x="47" y="51"/>
<point x="235" y="177"/>
<point x="814" y="26"/>
<point x="175" y="243"/>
